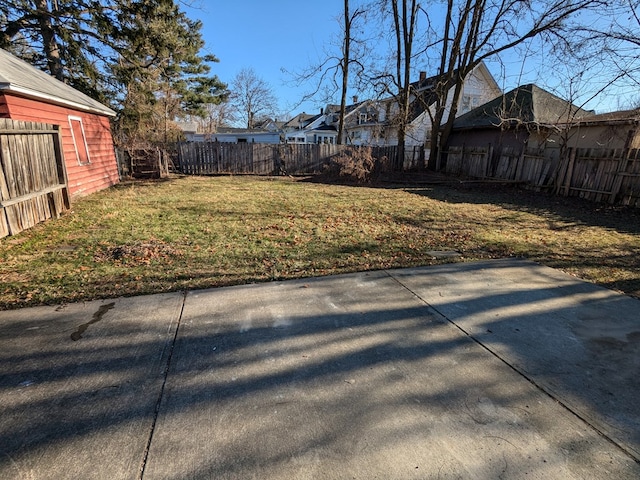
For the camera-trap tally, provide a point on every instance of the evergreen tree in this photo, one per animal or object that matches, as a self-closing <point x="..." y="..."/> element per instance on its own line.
<point x="141" y="56"/>
<point x="63" y="38"/>
<point x="159" y="68"/>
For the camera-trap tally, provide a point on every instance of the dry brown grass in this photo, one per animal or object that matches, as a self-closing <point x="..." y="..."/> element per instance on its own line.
<point x="190" y="232"/>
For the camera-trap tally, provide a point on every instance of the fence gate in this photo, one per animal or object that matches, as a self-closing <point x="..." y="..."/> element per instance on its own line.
<point x="33" y="181"/>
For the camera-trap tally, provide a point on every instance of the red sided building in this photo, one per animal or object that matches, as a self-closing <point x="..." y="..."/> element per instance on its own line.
<point x="29" y="94"/>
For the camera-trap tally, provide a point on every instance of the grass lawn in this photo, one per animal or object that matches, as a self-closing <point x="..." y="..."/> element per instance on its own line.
<point x="197" y="232"/>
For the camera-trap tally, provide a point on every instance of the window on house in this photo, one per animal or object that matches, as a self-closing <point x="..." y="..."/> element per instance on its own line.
<point x="362" y="119"/>
<point x="79" y="140"/>
<point x="469" y="102"/>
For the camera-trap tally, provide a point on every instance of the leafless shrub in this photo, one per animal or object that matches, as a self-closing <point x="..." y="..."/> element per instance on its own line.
<point x="356" y="164"/>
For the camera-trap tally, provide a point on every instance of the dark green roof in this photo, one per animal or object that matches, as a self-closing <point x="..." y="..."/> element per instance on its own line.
<point x="526" y="104"/>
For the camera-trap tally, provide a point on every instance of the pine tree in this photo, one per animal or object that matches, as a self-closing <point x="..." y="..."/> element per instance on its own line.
<point x="159" y="66"/>
<point x="140" y="56"/>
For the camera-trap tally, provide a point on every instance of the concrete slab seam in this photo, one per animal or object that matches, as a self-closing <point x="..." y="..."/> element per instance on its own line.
<point x="156" y="413"/>
<point x="539" y="387"/>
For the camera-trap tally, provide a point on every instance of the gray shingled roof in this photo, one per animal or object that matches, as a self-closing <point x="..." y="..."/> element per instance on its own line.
<point x="22" y="78"/>
<point x="611" y="118"/>
<point x="526" y="104"/>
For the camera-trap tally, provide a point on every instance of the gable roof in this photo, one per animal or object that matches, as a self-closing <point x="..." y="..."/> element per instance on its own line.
<point x="423" y="92"/>
<point x="300" y="121"/>
<point x="526" y="104"/>
<point x="243" y="131"/>
<point x="21" y="78"/>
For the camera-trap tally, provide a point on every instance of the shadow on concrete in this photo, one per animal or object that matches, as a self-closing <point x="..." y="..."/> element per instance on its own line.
<point x="356" y="375"/>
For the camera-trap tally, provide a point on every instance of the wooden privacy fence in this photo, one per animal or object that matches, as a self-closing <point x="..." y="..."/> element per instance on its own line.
<point x="208" y="158"/>
<point x="594" y="174"/>
<point x="528" y="166"/>
<point x="33" y="184"/>
<point x="601" y="175"/>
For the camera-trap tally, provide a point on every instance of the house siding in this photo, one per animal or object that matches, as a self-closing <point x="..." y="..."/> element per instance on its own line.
<point x="484" y="137"/>
<point x="479" y="87"/>
<point x="102" y="171"/>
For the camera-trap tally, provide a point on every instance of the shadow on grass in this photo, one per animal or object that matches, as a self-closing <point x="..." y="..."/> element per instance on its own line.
<point x="569" y="210"/>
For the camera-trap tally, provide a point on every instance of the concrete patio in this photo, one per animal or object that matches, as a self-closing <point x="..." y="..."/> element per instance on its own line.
<point x="496" y="369"/>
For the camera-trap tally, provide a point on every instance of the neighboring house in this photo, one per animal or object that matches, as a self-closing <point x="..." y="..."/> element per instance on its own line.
<point x="29" y="94"/>
<point x="188" y="128"/>
<point x="299" y="122"/>
<point x="364" y="122"/>
<point x="527" y="116"/>
<point x="372" y="122"/>
<point x="235" y="135"/>
<point x="304" y="128"/>
<point x="270" y="125"/>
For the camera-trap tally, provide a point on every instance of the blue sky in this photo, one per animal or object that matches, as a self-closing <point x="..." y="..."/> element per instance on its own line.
<point x="268" y="36"/>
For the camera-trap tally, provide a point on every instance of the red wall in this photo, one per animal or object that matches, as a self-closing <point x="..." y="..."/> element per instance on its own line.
<point x="102" y="172"/>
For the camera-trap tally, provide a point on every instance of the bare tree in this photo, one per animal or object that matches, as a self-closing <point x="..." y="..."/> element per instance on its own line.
<point x="214" y="116"/>
<point x="613" y="42"/>
<point x="396" y="81"/>
<point x="251" y="97"/>
<point x="345" y="62"/>
<point x="332" y="73"/>
<point x="476" y="30"/>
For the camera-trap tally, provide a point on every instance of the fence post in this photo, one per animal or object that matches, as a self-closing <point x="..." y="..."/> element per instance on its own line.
<point x="569" y="175"/>
<point x="617" y="182"/>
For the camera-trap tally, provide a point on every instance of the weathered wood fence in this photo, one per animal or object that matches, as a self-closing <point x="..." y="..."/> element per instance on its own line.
<point x="208" y="158"/>
<point x="33" y="184"/>
<point x="601" y="175"/>
<point x="594" y="174"/>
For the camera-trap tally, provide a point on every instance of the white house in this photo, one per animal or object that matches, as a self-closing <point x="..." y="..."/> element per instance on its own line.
<point x="304" y="128"/>
<point x="235" y="135"/>
<point x="371" y="122"/>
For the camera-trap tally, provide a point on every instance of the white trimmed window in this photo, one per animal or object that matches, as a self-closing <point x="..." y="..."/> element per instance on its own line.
<point x="79" y="140"/>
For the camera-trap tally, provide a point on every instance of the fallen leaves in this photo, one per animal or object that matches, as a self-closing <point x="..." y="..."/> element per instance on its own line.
<point x="137" y="254"/>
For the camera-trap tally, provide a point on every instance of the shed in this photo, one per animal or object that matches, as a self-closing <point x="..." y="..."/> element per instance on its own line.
<point x="30" y="95"/>
<point x="527" y="116"/>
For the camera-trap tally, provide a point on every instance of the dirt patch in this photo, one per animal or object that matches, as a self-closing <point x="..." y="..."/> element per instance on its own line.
<point x="137" y="254"/>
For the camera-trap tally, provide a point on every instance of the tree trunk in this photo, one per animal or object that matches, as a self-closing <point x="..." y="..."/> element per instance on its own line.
<point x="399" y="160"/>
<point x="405" y="17"/>
<point x="345" y="70"/>
<point x="443" y="131"/>
<point x="49" y="42"/>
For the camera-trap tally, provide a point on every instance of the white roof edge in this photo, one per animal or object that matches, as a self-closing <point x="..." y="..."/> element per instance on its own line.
<point x="56" y="100"/>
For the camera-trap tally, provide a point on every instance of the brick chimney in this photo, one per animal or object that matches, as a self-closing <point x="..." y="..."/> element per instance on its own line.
<point x="423" y="76"/>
